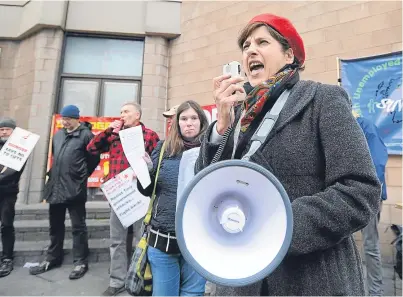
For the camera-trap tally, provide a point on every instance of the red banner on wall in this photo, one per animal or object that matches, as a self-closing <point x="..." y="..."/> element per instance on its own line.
<point x="211" y="112"/>
<point x="99" y="124"/>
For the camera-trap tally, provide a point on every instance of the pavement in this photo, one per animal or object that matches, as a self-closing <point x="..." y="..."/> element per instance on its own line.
<point x="56" y="282"/>
<point x="392" y="284"/>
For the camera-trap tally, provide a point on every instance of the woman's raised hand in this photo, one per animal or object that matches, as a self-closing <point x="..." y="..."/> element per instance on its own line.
<point x="226" y="93"/>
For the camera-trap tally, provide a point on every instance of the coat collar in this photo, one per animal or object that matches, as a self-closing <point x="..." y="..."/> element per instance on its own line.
<point x="75" y="133"/>
<point x="301" y="95"/>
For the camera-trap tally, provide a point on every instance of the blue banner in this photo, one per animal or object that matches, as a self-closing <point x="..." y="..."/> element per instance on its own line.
<point x="374" y="85"/>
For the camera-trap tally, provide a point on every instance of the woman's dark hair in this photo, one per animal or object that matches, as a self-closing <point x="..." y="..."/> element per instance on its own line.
<point x="247" y="31"/>
<point x="175" y="142"/>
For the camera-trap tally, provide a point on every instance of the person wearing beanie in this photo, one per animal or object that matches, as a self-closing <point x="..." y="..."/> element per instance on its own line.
<point x="7" y="122"/>
<point x="66" y="189"/>
<point x="315" y="149"/>
<point x="9" y="189"/>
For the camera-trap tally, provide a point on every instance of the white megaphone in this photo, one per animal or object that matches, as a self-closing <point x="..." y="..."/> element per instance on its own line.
<point x="234" y="219"/>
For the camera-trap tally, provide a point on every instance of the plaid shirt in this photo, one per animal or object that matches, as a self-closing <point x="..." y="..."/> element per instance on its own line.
<point x="108" y="141"/>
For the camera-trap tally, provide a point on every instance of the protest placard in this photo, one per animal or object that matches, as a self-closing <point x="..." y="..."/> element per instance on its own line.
<point x="124" y="198"/>
<point x="17" y="148"/>
<point x="133" y="146"/>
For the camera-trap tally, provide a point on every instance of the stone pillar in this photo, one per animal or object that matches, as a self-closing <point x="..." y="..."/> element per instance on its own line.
<point x="7" y="55"/>
<point x="154" y="83"/>
<point x="32" y="101"/>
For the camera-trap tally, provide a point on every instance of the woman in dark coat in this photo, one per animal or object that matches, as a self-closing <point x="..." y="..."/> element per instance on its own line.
<point x="316" y="150"/>
<point x="172" y="275"/>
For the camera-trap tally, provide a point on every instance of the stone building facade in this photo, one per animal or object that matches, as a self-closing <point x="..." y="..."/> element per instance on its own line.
<point x="329" y="29"/>
<point x="183" y="45"/>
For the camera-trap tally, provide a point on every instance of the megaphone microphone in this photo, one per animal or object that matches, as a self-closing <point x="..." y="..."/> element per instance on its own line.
<point x="234" y="218"/>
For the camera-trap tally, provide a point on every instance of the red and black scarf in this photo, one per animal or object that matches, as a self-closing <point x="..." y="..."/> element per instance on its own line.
<point x="262" y="93"/>
<point x="260" y="100"/>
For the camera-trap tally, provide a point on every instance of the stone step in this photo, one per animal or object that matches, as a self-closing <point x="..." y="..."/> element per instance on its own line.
<point x="39" y="211"/>
<point x="35" y="251"/>
<point x="38" y="230"/>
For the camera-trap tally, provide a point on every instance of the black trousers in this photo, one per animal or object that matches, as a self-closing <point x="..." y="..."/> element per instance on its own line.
<point x="7" y="214"/>
<point x="57" y="214"/>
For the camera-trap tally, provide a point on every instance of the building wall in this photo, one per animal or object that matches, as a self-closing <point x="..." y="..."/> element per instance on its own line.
<point x="154" y="83"/>
<point x="8" y="51"/>
<point x="30" y="68"/>
<point x="31" y="40"/>
<point x="28" y="86"/>
<point x="330" y="29"/>
<point x="136" y="18"/>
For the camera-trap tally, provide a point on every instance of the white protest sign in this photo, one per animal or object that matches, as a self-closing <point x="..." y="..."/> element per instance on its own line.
<point x="186" y="170"/>
<point x="126" y="201"/>
<point x="17" y="148"/>
<point x="133" y="146"/>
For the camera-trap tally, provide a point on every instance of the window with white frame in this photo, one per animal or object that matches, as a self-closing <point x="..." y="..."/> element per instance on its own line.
<point x="100" y="74"/>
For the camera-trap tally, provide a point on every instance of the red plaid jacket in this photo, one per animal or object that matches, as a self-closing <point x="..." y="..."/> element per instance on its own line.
<point x="108" y="141"/>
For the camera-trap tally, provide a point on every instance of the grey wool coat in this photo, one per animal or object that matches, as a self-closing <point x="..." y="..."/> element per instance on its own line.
<point x="318" y="152"/>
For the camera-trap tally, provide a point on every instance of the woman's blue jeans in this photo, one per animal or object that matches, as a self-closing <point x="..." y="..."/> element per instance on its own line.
<point x="173" y="276"/>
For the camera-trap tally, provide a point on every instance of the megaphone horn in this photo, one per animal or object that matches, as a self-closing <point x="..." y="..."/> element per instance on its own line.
<point x="234" y="223"/>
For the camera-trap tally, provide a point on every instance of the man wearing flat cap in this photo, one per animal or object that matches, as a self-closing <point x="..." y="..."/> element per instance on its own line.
<point x="67" y="189"/>
<point x="9" y="180"/>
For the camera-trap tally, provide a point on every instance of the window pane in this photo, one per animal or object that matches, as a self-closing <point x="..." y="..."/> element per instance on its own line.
<point x="82" y="93"/>
<point x="102" y="56"/>
<point x="115" y="94"/>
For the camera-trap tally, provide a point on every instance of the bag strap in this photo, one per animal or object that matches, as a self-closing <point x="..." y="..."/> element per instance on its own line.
<point x="147" y="218"/>
<point x="264" y="128"/>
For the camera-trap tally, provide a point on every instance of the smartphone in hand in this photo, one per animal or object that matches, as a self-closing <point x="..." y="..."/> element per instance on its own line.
<point x="233" y="68"/>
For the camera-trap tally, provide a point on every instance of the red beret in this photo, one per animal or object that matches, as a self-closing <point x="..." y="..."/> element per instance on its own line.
<point x="286" y="29"/>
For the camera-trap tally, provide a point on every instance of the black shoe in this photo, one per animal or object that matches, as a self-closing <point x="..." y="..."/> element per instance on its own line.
<point x="113" y="291"/>
<point x="43" y="267"/>
<point x="78" y="271"/>
<point x="6" y="267"/>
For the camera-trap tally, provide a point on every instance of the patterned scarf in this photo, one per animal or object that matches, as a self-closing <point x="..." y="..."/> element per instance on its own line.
<point x="257" y="98"/>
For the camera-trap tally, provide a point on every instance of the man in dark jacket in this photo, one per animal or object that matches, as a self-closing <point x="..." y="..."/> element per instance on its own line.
<point x="9" y="179"/>
<point x="67" y="189"/>
<point x="370" y="235"/>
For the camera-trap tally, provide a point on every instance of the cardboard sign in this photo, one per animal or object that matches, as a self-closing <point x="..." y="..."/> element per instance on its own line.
<point x="125" y="199"/>
<point x="17" y="149"/>
<point x="132" y="140"/>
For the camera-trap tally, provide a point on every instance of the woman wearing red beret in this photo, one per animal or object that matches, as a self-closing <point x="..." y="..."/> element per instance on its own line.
<point x="315" y="149"/>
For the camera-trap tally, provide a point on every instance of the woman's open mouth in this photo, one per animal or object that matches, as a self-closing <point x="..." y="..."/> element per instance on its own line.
<point x="255" y="67"/>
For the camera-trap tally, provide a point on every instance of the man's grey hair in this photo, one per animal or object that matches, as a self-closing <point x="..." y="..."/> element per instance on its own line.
<point x="135" y="105"/>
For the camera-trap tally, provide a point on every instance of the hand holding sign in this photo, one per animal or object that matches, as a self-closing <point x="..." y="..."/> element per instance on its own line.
<point x="17" y="149"/>
<point x="125" y="199"/>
